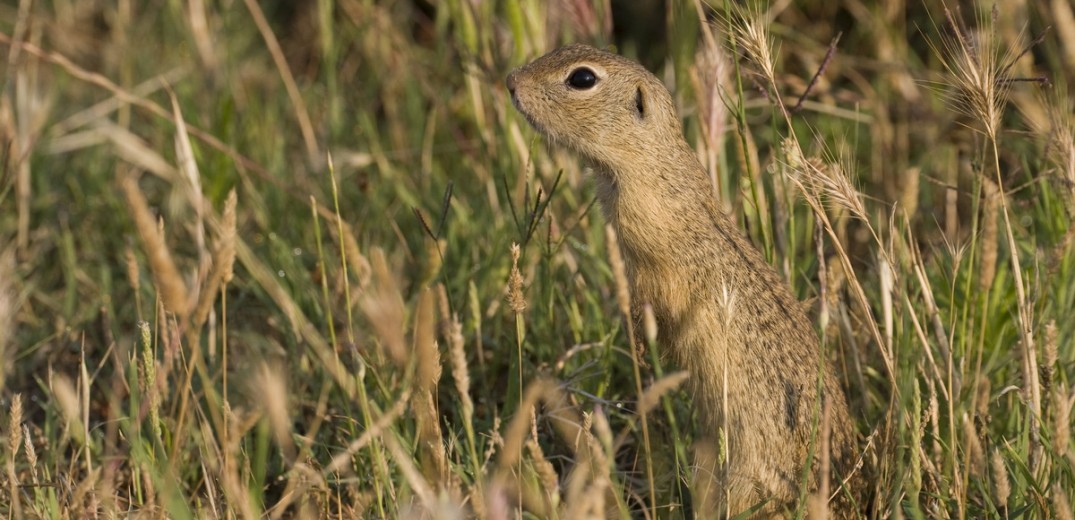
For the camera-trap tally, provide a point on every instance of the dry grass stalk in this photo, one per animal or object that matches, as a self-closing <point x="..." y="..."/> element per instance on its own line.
<point x="444" y="310"/>
<point x="663" y="386"/>
<point x="67" y="399"/>
<point x="425" y="345"/>
<point x="709" y="74"/>
<point x="990" y="209"/>
<point x="649" y="324"/>
<point x="188" y="167"/>
<point x="824" y="460"/>
<point x="619" y="271"/>
<point x="134" y="278"/>
<point x="568" y="425"/>
<point x="30" y="114"/>
<point x="7" y="314"/>
<point x="979" y="71"/>
<point x="806" y="174"/>
<point x="519" y="427"/>
<point x="549" y="481"/>
<point x="223" y="262"/>
<point x="703" y="489"/>
<point x="587" y="494"/>
<point x="380" y="425"/>
<point x="135" y="150"/>
<point x="203" y="39"/>
<point x="623" y="298"/>
<point x="383" y="305"/>
<point x="434" y="463"/>
<point x="125" y="96"/>
<point x="69" y="128"/>
<point x="909" y="191"/>
<point x="360" y="265"/>
<point x="433" y="458"/>
<point x="293" y="93"/>
<point x="410" y="473"/>
<point x="270" y="384"/>
<point x="165" y="274"/>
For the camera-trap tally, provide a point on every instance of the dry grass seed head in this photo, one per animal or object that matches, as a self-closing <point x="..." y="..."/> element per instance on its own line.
<point x="14" y="432"/>
<point x="751" y="30"/>
<point x="824" y="181"/>
<point x="360" y="265"/>
<point x="1001" y="486"/>
<point x="67" y="399"/>
<point x="975" y="455"/>
<point x="169" y="282"/>
<point x="31" y="452"/>
<point x="226" y="247"/>
<point x="460" y="373"/>
<point x="977" y="65"/>
<point x="133" y="276"/>
<point x="649" y="324"/>
<point x="546" y="473"/>
<point x="271" y="386"/>
<point x="223" y="262"/>
<point x="663" y="386"/>
<point x="1061" y="419"/>
<point x="1060" y="151"/>
<point x="383" y="306"/>
<point x="1061" y="503"/>
<point x="516" y="296"/>
<point x="1049" y="353"/>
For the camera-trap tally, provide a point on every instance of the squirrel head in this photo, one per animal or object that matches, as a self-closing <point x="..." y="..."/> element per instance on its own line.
<point x="605" y="107"/>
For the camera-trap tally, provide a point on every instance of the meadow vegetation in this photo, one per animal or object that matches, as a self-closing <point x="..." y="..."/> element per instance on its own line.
<point x="276" y="259"/>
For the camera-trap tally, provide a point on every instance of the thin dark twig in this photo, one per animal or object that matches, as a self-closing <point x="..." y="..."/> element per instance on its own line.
<point x="444" y="208"/>
<point x="817" y="75"/>
<point x="511" y="203"/>
<point x="761" y="88"/>
<point x="422" y="219"/>
<point x="1041" y="80"/>
<point x="534" y="218"/>
<point x="1033" y="43"/>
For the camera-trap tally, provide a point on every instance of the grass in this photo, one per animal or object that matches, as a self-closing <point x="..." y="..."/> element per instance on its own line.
<point x="304" y="259"/>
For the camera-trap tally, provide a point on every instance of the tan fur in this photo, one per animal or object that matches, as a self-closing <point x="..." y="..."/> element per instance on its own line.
<point x="723" y="313"/>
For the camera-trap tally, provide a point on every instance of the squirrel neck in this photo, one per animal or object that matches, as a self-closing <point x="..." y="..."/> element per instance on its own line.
<point x="658" y="205"/>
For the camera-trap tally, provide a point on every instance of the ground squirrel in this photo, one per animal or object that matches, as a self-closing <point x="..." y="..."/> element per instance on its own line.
<point x="723" y="313"/>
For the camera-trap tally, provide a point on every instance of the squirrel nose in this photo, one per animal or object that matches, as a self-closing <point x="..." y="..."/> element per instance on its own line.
<point x="511" y="83"/>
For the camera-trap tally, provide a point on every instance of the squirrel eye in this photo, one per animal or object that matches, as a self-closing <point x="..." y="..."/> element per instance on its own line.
<point x="582" y="78"/>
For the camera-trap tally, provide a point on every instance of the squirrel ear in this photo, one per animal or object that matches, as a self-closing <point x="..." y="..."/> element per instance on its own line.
<point x="640" y="105"/>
